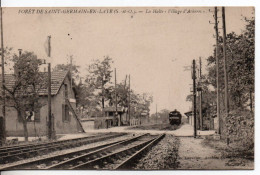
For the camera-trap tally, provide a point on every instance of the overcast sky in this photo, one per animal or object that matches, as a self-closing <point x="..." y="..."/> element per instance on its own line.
<point x="153" y="48"/>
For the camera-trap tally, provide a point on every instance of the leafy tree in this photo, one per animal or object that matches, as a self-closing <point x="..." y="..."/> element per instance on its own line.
<point x="122" y="92"/>
<point x="86" y="100"/>
<point x="98" y="78"/>
<point x="240" y="68"/>
<point x="24" y="94"/>
<point x="240" y="61"/>
<point x="75" y="73"/>
<point x="140" y="103"/>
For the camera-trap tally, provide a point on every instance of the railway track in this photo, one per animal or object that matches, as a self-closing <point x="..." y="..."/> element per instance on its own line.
<point x="114" y="155"/>
<point x="15" y="153"/>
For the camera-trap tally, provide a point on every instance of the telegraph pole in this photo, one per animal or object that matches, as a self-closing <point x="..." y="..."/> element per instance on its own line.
<point x="200" y="92"/>
<point x="194" y="97"/>
<point x="129" y="101"/>
<point x="217" y="70"/>
<point x="71" y="71"/>
<point x="156" y="115"/>
<point x="3" y="80"/>
<point x="225" y="61"/>
<point x="51" y="124"/>
<point x="119" y="119"/>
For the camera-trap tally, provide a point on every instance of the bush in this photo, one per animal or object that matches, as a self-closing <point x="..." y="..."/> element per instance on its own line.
<point x="239" y="128"/>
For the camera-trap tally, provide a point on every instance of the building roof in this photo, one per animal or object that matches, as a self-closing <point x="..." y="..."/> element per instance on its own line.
<point x="57" y="78"/>
<point x="188" y="114"/>
<point x="113" y="109"/>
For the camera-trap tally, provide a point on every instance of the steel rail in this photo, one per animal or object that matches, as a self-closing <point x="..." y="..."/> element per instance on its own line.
<point x="43" y="145"/>
<point x="42" y="149"/>
<point x="42" y="160"/>
<point x="128" y="162"/>
<point x="94" y="153"/>
<point x="4" y="148"/>
<point x="109" y="157"/>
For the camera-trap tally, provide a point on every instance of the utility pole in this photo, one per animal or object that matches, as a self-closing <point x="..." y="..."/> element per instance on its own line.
<point x="156" y="114"/>
<point x="71" y="71"/>
<point x="3" y="80"/>
<point x="217" y="70"/>
<point x="200" y="92"/>
<point x="103" y="98"/>
<point x="225" y="61"/>
<point x="129" y="101"/>
<point x="119" y="118"/>
<point x="51" y="134"/>
<point x="194" y="96"/>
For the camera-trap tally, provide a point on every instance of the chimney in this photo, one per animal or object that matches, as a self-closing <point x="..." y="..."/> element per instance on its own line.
<point x="15" y="68"/>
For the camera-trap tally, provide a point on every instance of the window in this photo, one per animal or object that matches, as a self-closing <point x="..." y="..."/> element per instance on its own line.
<point x="32" y="116"/>
<point x="65" y="113"/>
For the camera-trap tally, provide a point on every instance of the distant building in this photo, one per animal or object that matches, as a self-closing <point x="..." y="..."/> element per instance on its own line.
<point x="190" y="117"/>
<point x="110" y="119"/>
<point x="63" y="108"/>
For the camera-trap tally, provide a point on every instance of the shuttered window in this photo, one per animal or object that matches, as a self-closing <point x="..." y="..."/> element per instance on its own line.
<point x="65" y="113"/>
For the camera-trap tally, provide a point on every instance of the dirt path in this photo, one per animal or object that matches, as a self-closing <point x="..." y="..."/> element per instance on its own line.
<point x="194" y="155"/>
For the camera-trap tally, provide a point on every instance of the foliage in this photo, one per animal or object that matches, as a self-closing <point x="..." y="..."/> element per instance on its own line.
<point x="24" y="95"/>
<point x="86" y="100"/>
<point x="140" y="103"/>
<point x="240" y="49"/>
<point x="239" y="128"/>
<point x="162" y="116"/>
<point x="98" y="78"/>
<point x="75" y="73"/>
<point x="240" y="61"/>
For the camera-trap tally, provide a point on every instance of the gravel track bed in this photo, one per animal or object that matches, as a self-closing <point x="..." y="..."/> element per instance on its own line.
<point x="91" y="145"/>
<point x="162" y="156"/>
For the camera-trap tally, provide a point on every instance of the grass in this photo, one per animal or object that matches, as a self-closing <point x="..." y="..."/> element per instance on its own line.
<point x="234" y="150"/>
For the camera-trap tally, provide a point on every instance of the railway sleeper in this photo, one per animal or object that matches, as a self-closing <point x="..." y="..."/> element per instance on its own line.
<point x="65" y="145"/>
<point x="92" y="163"/>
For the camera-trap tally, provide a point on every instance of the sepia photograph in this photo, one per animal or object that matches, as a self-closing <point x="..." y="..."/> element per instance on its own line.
<point x="127" y="88"/>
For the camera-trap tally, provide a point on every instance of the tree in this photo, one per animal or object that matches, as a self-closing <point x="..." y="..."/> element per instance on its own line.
<point x="240" y="60"/>
<point x="122" y="92"/>
<point x="75" y="73"/>
<point x="28" y="81"/>
<point x="86" y="99"/>
<point x="98" y="78"/>
<point x="140" y="103"/>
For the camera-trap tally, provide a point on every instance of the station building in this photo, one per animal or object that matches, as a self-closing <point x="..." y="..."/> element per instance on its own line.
<point x="63" y="105"/>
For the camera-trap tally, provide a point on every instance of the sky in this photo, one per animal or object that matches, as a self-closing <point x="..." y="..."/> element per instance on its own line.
<point x="153" y="48"/>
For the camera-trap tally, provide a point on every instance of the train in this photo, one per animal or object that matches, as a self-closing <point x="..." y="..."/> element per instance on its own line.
<point x="175" y="117"/>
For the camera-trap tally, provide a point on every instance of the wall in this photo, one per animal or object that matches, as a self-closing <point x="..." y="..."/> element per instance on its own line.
<point x="88" y="124"/>
<point x="64" y="127"/>
<point x="15" y="128"/>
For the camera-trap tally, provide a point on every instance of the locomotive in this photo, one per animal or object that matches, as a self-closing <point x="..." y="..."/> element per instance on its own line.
<point x="175" y="117"/>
